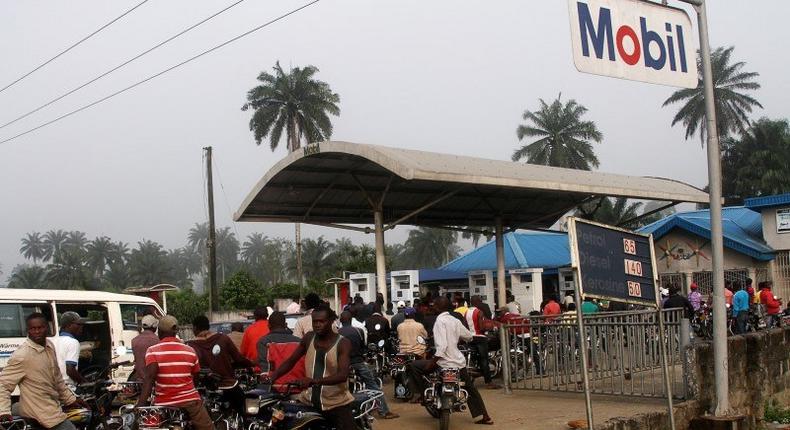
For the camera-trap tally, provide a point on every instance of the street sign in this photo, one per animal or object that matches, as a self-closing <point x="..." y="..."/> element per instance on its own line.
<point x="635" y="40"/>
<point x="612" y="263"/>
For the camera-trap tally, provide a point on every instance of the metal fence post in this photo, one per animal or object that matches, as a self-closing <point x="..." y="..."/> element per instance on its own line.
<point x="504" y="341"/>
<point x="685" y="341"/>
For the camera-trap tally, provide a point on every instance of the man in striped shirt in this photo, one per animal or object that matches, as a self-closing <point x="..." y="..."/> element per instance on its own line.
<point x="171" y="365"/>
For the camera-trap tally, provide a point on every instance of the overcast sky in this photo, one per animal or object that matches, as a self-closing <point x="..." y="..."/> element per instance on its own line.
<point x="445" y="76"/>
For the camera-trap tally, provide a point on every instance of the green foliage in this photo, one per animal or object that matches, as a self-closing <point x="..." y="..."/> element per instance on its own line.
<point x="756" y="164"/>
<point x="185" y="305"/>
<point x="776" y="413"/>
<point x="732" y="105"/>
<point x="431" y="247"/>
<point x="563" y="138"/>
<point x="295" y="103"/>
<point x="241" y="291"/>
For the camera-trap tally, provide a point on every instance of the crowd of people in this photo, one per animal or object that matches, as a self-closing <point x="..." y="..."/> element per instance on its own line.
<point x="317" y="355"/>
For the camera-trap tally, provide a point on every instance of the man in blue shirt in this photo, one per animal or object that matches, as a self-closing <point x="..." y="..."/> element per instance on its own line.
<point x="740" y="308"/>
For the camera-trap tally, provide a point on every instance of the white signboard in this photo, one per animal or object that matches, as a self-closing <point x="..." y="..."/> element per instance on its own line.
<point x="783" y="221"/>
<point x="636" y="40"/>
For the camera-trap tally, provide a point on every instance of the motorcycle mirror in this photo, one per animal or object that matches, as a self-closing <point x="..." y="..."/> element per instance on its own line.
<point x="121" y="350"/>
<point x="216" y="350"/>
<point x="421" y="340"/>
<point x="381" y="343"/>
<point x="377" y="327"/>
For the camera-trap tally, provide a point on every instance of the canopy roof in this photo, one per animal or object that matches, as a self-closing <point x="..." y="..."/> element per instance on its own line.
<point x="341" y="182"/>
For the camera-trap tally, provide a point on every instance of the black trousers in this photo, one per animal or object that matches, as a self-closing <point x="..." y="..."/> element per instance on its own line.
<point x="417" y="385"/>
<point x="341" y="417"/>
<point x="480" y="344"/>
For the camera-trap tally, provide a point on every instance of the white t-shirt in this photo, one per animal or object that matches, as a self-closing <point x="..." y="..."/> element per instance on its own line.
<point x="67" y="350"/>
<point x="567" y="300"/>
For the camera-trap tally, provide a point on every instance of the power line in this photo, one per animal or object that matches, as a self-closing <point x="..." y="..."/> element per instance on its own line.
<point x="94" y="103"/>
<point x="73" y="46"/>
<point x="225" y="195"/>
<point x="147" y="51"/>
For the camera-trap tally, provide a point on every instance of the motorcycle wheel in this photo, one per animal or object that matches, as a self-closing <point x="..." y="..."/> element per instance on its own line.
<point x="432" y="411"/>
<point x="444" y="419"/>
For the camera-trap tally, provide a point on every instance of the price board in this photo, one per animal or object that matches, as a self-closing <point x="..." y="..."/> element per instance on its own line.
<point x="612" y="263"/>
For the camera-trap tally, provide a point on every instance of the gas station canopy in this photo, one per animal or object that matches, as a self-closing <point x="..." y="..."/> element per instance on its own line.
<point x="342" y="182"/>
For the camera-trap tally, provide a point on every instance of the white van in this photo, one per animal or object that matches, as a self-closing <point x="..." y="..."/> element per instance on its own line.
<point x="113" y="320"/>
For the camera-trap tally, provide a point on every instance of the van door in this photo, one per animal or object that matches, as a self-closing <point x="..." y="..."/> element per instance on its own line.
<point x="13" y="328"/>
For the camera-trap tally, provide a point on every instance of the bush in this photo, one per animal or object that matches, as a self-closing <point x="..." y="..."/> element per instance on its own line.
<point x="185" y="305"/>
<point x="775" y="413"/>
<point x="242" y="292"/>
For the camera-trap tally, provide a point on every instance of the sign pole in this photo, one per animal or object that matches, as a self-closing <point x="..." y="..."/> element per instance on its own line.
<point x="577" y="283"/>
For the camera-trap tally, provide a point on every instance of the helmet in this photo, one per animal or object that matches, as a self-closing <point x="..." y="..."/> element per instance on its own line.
<point x="694" y="286"/>
<point x="79" y="415"/>
<point x="401" y="304"/>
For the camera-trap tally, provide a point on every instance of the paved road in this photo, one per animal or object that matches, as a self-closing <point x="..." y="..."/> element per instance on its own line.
<point x="527" y="410"/>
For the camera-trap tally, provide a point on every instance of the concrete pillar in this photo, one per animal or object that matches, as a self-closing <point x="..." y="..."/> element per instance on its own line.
<point x="689" y="278"/>
<point x="500" y="263"/>
<point x="381" y="265"/>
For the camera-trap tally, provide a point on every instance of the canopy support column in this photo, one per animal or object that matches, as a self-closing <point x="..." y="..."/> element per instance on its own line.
<point x="500" y="263"/>
<point x="381" y="266"/>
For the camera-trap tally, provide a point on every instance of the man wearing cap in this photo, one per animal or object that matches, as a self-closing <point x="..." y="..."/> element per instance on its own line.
<point x="142" y="342"/>
<point x="695" y="298"/>
<point x="67" y="348"/>
<point x="172" y="365"/>
<point x="408" y="332"/>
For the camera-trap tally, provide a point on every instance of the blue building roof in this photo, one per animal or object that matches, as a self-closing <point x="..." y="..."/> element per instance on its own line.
<point x="757" y="203"/>
<point x="522" y="251"/>
<point x="742" y="228"/>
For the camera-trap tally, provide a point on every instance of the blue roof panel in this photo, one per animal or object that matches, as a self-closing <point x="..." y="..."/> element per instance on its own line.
<point x="757" y="203"/>
<point x="522" y="251"/>
<point x="742" y="229"/>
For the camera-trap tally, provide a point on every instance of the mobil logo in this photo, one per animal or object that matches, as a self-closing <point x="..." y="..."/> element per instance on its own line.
<point x="636" y="40"/>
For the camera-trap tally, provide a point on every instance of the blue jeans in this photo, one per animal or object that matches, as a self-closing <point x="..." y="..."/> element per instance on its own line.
<point x="65" y="425"/>
<point x="371" y="382"/>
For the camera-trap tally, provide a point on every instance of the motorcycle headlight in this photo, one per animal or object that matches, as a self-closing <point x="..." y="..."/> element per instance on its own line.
<point x="252" y="406"/>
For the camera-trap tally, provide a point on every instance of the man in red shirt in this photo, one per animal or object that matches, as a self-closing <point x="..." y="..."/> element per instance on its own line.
<point x="253" y="333"/>
<point x="171" y="365"/>
<point x="772" y="306"/>
<point x="551" y="308"/>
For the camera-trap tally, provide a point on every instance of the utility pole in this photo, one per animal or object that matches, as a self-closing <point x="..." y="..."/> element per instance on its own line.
<point x="211" y="243"/>
<point x="298" y="234"/>
<point x="720" y="356"/>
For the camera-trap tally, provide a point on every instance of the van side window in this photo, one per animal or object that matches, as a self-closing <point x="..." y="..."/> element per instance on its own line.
<point x="12" y="318"/>
<point x="133" y="313"/>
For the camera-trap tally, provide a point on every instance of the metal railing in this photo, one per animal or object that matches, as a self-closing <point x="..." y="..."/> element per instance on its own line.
<point x="623" y="353"/>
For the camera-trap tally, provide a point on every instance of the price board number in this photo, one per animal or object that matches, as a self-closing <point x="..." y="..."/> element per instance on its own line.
<point x="634" y="289"/>
<point x="629" y="246"/>
<point x="633" y="268"/>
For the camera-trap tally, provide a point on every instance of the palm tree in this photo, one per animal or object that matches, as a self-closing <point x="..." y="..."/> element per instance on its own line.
<point x="119" y="252"/>
<point x="227" y="251"/>
<point x="563" y="138"/>
<point x="294" y="102"/>
<point x="98" y="253"/>
<point x="297" y="103"/>
<point x="475" y="236"/>
<point x="68" y="271"/>
<point x="148" y="264"/>
<point x="76" y="241"/>
<point x="732" y="106"/>
<point x="198" y="236"/>
<point x="610" y="211"/>
<point x="33" y="247"/>
<point x="756" y="164"/>
<point x="53" y="242"/>
<point x="317" y="257"/>
<point x="28" y="277"/>
<point x="117" y="276"/>
<point x="432" y="247"/>
<point x="253" y="248"/>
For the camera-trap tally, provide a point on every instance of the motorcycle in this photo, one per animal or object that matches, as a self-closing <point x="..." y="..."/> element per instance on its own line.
<point x="399" y="365"/>
<point x="269" y="409"/>
<point x="223" y="413"/>
<point x="376" y="357"/>
<point x="445" y="395"/>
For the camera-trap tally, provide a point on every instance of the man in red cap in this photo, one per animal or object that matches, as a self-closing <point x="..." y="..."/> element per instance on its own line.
<point x="695" y="297"/>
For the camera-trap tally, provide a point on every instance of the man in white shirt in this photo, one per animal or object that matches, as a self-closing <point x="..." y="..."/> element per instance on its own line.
<point x="447" y="331"/>
<point x="67" y="348"/>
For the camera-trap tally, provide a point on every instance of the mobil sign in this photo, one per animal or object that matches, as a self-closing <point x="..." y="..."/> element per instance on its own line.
<point x="636" y="40"/>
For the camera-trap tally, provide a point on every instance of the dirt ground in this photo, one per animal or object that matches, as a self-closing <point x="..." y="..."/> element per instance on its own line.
<point x="527" y="410"/>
